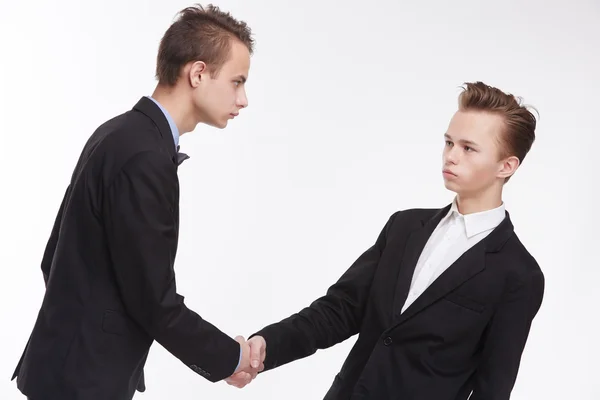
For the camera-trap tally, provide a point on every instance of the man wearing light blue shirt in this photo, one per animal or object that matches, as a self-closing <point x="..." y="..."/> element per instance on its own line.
<point x="108" y="265"/>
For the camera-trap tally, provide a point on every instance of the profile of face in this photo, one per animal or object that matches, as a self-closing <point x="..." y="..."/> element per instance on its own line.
<point x="471" y="156"/>
<point x="220" y="97"/>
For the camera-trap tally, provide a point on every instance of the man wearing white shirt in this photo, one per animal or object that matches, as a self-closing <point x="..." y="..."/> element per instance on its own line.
<point x="444" y="300"/>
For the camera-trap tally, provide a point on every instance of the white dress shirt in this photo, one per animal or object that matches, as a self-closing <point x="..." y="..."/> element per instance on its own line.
<point x="455" y="234"/>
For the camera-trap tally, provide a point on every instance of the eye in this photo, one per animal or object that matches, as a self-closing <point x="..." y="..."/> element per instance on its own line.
<point x="469" y="149"/>
<point x="448" y="143"/>
<point x="237" y="83"/>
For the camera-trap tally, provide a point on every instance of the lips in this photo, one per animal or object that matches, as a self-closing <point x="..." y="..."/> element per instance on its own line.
<point x="447" y="171"/>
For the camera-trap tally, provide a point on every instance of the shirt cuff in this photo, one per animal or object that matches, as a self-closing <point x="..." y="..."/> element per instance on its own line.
<point x="239" y="360"/>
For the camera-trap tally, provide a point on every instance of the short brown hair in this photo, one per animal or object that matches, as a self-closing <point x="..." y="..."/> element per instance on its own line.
<point x="199" y="34"/>
<point x="520" y="122"/>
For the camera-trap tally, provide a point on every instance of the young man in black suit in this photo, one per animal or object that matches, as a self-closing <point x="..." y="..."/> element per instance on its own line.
<point x="444" y="300"/>
<point x="108" y="265"/>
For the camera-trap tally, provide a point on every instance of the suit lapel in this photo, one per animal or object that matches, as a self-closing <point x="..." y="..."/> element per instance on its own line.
<point x="469" y="264"/>
<point x="412" y="251"/>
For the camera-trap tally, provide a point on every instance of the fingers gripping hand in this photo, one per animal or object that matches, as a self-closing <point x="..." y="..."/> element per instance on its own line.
<point x="254" y="352"/>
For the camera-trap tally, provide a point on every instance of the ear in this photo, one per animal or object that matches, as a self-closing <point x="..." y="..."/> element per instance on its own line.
<point x="197" y="73"/>
<point x="507" y="167"/>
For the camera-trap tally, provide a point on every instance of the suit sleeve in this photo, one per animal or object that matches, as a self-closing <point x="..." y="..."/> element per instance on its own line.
<point x="505" y="339"/>
<point x="142" y="235"/>
<point x="330" y="319"/>
<point x="53" y="241"/>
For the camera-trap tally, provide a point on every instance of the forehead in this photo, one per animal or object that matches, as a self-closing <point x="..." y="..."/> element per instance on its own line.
<point x="238" y="61"/>
<point x="480" y="127"/>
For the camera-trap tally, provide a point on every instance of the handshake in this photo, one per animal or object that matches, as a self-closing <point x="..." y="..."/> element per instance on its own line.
<point x="254" y="352"/>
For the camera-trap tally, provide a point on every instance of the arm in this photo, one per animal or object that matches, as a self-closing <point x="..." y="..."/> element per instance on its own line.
<point x="330" y="319"/>
<point x="52" y="241"/>
<point x="142" y="238"/>
<point x="506" y="338"/>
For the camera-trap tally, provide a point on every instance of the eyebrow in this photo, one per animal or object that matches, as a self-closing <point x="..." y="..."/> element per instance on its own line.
<point x="463" y="141"/>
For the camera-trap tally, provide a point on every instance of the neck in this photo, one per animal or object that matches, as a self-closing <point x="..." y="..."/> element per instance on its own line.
<point x="178" y="106"/>
<point x="474" y="203"/>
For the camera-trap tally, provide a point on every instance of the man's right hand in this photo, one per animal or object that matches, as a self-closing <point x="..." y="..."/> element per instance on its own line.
<point x="254" y="352"/>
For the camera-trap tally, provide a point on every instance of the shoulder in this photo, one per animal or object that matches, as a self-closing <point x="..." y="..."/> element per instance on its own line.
<point x="518" y="269"/>
<point x="124" y="141"/>
<point x="411" y="217"/>
<point x="129" y="133"/>
<point x="519" y="260"/>
<point x="122" y="155"/>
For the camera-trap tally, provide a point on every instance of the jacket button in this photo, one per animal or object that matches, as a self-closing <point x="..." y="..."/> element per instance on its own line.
<point x="387" y="341"/>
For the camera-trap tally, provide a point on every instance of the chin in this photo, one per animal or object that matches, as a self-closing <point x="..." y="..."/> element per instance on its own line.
<point x="452" y="186"/>
<point x="218" y="124"/>
<point x="223" y="123"/>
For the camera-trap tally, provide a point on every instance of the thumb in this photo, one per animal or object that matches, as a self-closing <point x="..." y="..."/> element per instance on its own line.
<point x="256" y="349"/>
<point x="240" y="339"/>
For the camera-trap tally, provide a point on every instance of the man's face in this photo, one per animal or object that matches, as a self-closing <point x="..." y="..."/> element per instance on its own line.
<point x="471" y="163"/>
<point x="220" y="98"/>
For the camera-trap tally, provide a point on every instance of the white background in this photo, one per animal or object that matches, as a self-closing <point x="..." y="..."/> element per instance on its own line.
<point x="348" y="104"/>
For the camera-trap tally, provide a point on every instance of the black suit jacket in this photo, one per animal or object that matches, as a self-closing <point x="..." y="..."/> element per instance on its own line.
<point x="108" y="268"/>
<point x="464" y="334"/>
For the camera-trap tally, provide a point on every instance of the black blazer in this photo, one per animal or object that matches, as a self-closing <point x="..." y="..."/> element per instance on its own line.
<point x="108" y="268"/>
<point x="465" y="333"/>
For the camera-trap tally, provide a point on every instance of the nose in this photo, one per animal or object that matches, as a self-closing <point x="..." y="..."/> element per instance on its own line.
<point x="242" y="100"/>
<point x="450" y="156"/>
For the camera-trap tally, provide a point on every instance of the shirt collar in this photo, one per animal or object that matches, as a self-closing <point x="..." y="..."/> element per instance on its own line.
<point x="479" y="222"/>
<point x="174" y="130"/>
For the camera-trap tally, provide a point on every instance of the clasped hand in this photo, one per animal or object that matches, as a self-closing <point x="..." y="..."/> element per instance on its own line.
<point x="254" y="352"/>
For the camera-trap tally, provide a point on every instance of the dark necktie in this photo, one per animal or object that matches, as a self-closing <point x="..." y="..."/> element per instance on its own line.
<point x="181" y="157"/>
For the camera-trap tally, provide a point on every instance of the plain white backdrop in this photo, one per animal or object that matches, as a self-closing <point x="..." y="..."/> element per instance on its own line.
<point x="348" y="104"/>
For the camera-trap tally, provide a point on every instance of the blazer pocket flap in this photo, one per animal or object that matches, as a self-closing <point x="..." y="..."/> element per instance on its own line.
<point x="465" y="302"/>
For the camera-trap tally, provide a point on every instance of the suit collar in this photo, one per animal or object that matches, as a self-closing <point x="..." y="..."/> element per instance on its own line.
<point x="152" y="110"/>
